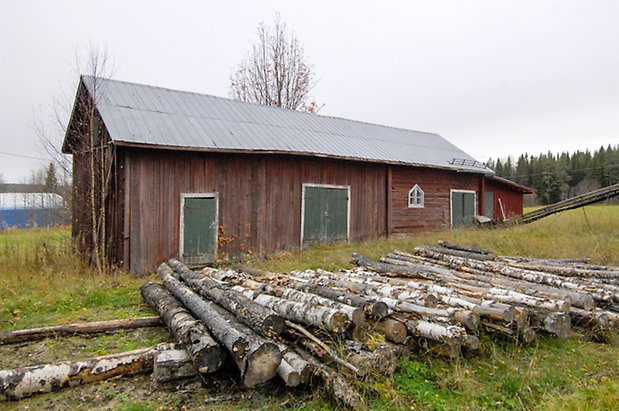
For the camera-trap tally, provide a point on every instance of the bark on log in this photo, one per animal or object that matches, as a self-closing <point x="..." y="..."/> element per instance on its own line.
<point x="558" y="324"/>
<point x="566" y="271"/>
<point x="448" y="350"/>
<point x="33" y="334"/>
<point x="256" y="358"/>
<point x="578" y="298"/>
<point x="318" y="316"/>
<point x="393" y="330"/>
<point x="525" y="334"/>
<point x="24" y="382"/>
<point x="371" y="307"/>
<point x="436" y="332"/>
<point x="302" y="367"/>
<point x="600" y="292"/>
<point x="172" y="363"/>
<point x="597" y="324"/>
<point x="514" y="297"/>
<point x="380" y="359"/>
<point x="388" y="269"/>
<point x="288" y="374"/>
<point x="334" y="383"/>
<point x="469" y="249"/>
<point x="261" y="319"/>
<point x="457" y="253"/>
<point x="355" y="314"/>
<point x="205" y="352"/>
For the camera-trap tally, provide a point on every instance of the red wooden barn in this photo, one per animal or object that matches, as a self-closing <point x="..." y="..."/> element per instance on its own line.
<point x="200" y="177"/>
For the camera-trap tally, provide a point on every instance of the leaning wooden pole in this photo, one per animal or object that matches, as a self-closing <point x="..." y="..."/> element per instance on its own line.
<point x="96" y="327"/>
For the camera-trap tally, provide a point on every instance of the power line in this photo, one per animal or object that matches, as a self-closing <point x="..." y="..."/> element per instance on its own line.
<point x="22" y="156"/>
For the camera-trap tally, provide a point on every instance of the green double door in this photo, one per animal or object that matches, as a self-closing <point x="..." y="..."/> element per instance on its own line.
<point x="462" y="208"/>
<point x="199" y="225"/>
<point x="325" y="214"/>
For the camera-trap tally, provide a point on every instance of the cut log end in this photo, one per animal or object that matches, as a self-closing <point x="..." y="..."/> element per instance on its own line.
<point x="377" y="310"/>
<point x="469" y="319"/>
<point x="527" y="335"/>
<point x="274" y="325"/>
<point x="338" y="322"/>
<point x="262" y="365"/>
<point x="393" y="330"/>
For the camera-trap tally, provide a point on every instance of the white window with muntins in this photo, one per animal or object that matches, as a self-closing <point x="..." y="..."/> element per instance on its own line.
<point x="415" y="197"/>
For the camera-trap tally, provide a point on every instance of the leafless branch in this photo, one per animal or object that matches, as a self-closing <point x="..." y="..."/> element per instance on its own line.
<point x="275" y="72"/>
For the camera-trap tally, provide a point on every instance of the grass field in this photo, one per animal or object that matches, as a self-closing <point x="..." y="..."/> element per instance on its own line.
<point x="42" y="283"/>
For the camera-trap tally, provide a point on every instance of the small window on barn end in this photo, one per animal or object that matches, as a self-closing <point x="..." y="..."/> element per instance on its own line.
<point x="415" y="197"/>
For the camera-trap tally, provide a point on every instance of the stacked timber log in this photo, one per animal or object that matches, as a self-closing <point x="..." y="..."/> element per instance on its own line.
<point x="435" y="300"/>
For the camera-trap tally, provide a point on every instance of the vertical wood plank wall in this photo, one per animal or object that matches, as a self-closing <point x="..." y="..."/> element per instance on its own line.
<point x="512" y="199"/>
<point x="259" y="199"/>
<point x="435" y="185"/>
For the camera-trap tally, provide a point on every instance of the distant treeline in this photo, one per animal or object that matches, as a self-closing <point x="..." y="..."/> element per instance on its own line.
<point x="556" y="177"/>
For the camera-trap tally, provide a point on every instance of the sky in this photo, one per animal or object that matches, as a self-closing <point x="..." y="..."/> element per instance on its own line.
<point x="496" y="78"/>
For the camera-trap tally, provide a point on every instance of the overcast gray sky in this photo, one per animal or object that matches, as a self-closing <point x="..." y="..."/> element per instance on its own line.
<point x="493" y="77"/>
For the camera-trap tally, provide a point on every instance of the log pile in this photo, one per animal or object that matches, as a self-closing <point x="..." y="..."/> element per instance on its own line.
<point x="435" y="300"/>
<point x="310" y="326"/>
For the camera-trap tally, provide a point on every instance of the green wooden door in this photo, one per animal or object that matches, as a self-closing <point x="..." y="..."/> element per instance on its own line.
<point x="199" y="230"/>
<point x="462" y="209"/>
<point x="489" y="204"/>
<point x="325" y="215"/>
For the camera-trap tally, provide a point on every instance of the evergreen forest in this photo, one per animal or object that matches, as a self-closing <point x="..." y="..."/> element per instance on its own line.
<point x="555" y="177"/>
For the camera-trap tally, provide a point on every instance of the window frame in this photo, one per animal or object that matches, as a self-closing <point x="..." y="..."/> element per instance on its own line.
<point x="421" y="196"/>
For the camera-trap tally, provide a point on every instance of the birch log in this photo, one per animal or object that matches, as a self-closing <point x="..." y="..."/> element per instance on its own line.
<point x="261" y="319"/>
<point x="469" y="249"/>
<point x="578" y="298"/>
<point x="318" y="316"/>
<point x="388" y="269"/>
<point x="460" y="253"/>
<point x="334" y="383"/>
<point x="172" y="363"/>
<point x="206" y="353"/>
<point x="370" y="306"/>
<point x="24" y="382"/>
<point x="256" y="358"/>
<point x="355" y="314"/>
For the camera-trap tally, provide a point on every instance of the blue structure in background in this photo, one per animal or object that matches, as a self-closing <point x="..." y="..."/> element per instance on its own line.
<point x="27" y="210"/>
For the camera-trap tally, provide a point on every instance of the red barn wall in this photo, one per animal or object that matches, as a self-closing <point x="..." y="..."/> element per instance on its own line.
<point x="436" y="185"/>
<point x="259" y="199"/>
<point x="511" y="199"/>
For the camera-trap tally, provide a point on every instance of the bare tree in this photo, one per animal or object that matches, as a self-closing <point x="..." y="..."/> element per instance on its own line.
<point x="92" y="155"/>
<point x="98" y="155"/>
<point x="275" y="71"/>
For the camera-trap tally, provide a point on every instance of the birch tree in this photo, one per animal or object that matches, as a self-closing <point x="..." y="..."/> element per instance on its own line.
<point x="275" y="72"/>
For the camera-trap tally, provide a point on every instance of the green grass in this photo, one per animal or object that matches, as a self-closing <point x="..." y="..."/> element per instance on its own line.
<point x="42" y="283"/>
<point x="589" y="232"/>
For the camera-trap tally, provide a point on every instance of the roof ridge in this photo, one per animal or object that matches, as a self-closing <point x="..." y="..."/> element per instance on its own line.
<point x="231" y="100"/>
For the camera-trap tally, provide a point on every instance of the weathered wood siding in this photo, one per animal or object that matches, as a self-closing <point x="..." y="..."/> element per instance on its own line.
<point x="436" y="185"/>
<point x="511" y="198"/>
<point x="259" y="200"/>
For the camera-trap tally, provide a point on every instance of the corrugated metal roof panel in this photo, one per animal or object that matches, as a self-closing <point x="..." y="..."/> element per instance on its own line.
<point x="149" y="115"/>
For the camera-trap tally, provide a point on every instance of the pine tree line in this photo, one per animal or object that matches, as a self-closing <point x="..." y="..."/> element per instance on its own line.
<point x="556" y="177"/>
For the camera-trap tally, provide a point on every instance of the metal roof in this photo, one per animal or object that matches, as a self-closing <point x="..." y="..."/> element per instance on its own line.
<point x="146" y="115"/>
